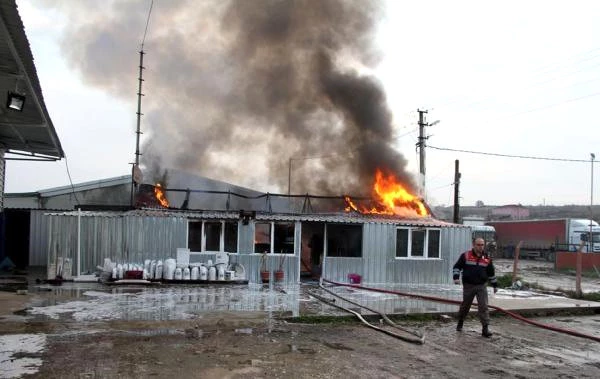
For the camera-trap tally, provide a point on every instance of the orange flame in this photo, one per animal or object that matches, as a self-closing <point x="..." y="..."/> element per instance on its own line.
<point x="392" y="199"/>
<point x="160" y="195"/>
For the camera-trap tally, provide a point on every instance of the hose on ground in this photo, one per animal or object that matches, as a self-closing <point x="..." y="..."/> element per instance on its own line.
<point x="449" y="301"/>
<point x="359" y="316"/>
<point x="383" y="315"/>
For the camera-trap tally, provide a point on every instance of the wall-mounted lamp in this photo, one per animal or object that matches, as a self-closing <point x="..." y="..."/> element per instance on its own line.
<point x="15" y="101"/>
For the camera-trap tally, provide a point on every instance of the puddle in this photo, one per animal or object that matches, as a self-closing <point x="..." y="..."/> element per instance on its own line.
<point x="161" y="304"/>
<point x="20" y="354"/>
<point x="243" y="331"/>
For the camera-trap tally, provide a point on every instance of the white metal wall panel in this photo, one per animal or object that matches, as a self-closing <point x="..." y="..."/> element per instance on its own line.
<point x="379" y="264"/>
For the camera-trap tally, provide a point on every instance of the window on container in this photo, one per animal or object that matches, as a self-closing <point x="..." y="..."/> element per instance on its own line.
<point x="402" y="243"/>
<point x="212" y="233"/>
<point x="344" y="240"/>
<point x="195" y="235"/>
<point x="231" y="236"/>
<point x="417" y="244"/>
<point x="284" y="238"/>
<point x="433" y="243"/>
<point x="262" y="237"/>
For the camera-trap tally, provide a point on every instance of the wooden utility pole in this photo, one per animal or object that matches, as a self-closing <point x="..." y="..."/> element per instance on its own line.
<point x="456" y="217"/>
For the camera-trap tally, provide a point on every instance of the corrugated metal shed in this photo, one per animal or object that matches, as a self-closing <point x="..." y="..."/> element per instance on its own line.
<point x="134" y="236"/>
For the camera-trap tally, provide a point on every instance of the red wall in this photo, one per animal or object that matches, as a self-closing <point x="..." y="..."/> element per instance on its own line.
<point x="534" y="233"/>
<point x="566" y="259"/>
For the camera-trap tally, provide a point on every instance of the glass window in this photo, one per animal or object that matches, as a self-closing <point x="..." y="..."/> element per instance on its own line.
<point x="402" y="243"/>
<point x="344" y="240"/>
<point x="418" y="243"/>
<point x="231" y="236"/>
<point x="262" y="237"/>
<point x="417" y="246"/>
<point x="284" y="238"/>
<point x="195" y="235"/>
<point x="212" y="233"/>
<point x="433" y="243"/>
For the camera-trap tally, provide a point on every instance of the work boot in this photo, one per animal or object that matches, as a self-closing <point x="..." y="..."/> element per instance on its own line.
<point x="486" y="332"/>
<point x="459" y="325"/>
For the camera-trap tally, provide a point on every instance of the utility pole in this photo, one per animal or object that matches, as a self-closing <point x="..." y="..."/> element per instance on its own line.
<point x="456" y="217"/>
<point x="421" y="146"/>
<point x="591" y="239"/>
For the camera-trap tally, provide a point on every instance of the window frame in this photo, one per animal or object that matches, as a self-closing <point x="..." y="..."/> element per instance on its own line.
<point x="329" y="241"/>
<point x="224" y="226"/>
<point x="273" y="229"/>
<point x="409" y="243"/>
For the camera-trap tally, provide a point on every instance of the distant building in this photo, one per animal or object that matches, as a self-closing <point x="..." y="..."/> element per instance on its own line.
<point x="511" y="211"/>
<point x="473" y="220"/>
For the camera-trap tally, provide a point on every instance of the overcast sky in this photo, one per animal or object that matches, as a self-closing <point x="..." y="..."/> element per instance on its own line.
<point x="514" y="78"/>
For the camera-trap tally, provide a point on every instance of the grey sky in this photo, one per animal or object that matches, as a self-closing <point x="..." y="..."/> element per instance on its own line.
<point x="513" y="78"/>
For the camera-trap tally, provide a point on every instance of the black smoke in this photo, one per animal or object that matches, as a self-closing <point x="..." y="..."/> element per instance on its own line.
<point x="234" y="89"/>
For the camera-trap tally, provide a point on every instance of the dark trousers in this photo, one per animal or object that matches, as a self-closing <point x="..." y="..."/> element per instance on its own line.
<point x="470" y="291"/>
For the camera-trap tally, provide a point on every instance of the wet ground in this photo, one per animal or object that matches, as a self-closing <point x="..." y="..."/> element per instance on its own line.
<point x="90" y="330"/>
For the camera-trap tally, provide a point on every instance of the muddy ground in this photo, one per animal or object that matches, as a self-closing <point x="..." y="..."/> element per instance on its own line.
<point x="227" y="344"/>
<point x="215" y="347"/>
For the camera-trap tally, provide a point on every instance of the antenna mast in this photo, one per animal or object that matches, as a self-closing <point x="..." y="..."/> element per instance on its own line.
<point x="136" y="173"/>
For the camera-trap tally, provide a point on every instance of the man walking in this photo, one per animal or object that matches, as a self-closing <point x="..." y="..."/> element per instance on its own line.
<point x="477" y="268"/>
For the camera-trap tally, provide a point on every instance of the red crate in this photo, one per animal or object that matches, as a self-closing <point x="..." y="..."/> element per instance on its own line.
<point x="133" y="274"/>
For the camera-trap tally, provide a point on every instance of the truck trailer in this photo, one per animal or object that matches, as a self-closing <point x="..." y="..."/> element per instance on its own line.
<point x="542" y="238"/>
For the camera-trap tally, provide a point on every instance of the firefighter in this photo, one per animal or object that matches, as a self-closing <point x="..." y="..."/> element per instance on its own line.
<point x="477" y="269"/>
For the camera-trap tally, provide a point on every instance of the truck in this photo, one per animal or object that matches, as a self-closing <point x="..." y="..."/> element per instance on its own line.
<point x="542" y="238"/>
<point x="488" y="233"/>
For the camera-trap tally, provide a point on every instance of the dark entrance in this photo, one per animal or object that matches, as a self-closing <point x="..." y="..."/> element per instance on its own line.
<point x="312" y="249"/>
<point x="15" y="224"/>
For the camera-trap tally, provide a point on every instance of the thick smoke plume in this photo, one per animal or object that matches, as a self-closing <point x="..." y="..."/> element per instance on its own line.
<point x="235" y="89"/>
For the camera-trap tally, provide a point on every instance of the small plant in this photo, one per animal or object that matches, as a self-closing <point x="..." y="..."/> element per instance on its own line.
<point x="263" y="261"/>
<point x="505" y="281"/>
<point x="282" y="258"/>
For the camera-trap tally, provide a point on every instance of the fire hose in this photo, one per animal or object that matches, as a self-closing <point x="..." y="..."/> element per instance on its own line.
<point x="418" y="339"/>
<point x="449" y="301"/>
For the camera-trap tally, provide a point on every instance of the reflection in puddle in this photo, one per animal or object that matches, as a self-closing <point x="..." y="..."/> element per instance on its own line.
<point x="166" y="302"/>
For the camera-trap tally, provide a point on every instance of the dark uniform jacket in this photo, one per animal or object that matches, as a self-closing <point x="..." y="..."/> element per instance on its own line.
<point x="475" y="270"/>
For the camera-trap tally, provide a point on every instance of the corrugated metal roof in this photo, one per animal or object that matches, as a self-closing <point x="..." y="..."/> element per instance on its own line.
<point x="31" y="129"/>
<point x="356" y="218"/>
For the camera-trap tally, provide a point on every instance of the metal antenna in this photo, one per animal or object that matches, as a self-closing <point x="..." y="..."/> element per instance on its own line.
<point x="135" y="171"/>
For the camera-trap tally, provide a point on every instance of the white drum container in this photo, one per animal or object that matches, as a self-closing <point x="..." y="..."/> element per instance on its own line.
<point x="194" y="273"/>
<point x="178" y="273"/>
<point x="203" y="273"/>
<point x="186" y="273"/>
<point x="221" y="273"/>
<point x="158" y="274"/>
<point x="169" y="269"/>
<point x="212" y="273"/>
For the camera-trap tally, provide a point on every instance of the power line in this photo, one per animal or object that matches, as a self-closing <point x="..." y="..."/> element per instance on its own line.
<point x="71" y="181"/>
<point x="509" y="155"/>
<point x="147" y="22"/>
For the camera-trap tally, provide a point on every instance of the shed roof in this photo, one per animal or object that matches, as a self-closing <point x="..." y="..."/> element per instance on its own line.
<point x="30" y="131"/>
<point x="343" y="217"/>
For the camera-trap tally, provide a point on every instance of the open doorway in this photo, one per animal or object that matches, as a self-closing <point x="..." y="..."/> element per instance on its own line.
<point x="311" y="260"/>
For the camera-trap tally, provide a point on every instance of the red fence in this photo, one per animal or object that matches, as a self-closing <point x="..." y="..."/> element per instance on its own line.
<point x="568" y="259"/>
